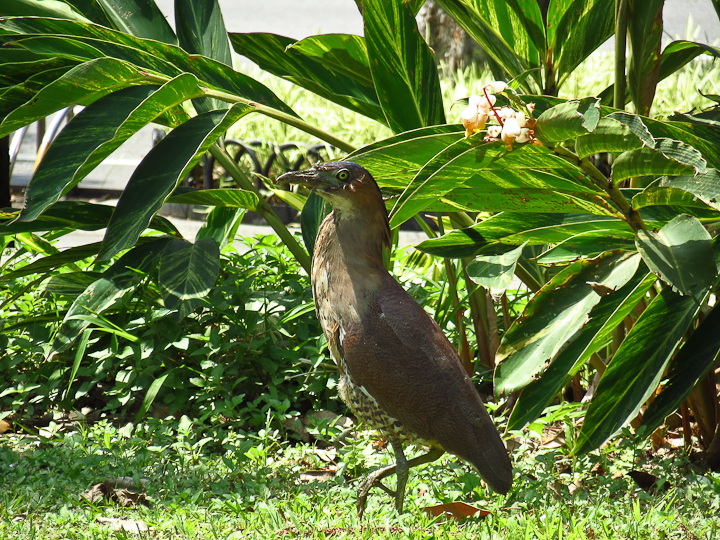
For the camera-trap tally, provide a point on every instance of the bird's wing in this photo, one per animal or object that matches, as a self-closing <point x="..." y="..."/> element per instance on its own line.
<point x="403" y="359"/>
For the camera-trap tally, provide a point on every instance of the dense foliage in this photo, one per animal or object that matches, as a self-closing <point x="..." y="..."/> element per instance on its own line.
<point x="622" y="260"/>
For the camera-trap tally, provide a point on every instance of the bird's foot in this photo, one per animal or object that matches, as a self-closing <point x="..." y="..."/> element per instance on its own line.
<point x="372" y="480"/>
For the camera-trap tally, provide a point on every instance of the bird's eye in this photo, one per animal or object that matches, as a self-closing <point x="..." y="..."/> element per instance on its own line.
<point x="343" y="174"/>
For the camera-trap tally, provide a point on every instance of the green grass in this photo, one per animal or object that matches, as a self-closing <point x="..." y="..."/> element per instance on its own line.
<point x="214" y="482"/>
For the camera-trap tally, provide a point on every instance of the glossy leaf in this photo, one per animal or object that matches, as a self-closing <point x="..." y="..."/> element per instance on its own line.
<point x="56" y="260"/>
<point x="514" y="228"/>
<point x="152" y="393"/>
<point x="637" y="367"/>
<point x="231" y="198"/>
<point x="201" y="30"/>
<point x="157" y="175"/>
<point x="187" y="272"/>
<point x="576" y="28"/>
<point x="635" y="124"/>
<point x="345" y="54"/>
<point x="645" y="28"/>
<point x="656" y="195"/>
<point x="396" y="160"/>
<point x="585" y="245"/>
<point x="276" y="55"/>
<point x="669" y="157"/>
<point x="500" y="30"/>
<point x="33" y="8"/>
<point x="95" y="133"/>
<point x="140" y="18"/>
<point x="402" y="66"/>
<point x="495" y="271"/>
<point x="81" y="85"/>
<point x="554" y="314"/>
<point x="705" y="187"/>
<point x="568" y="120"/>
<point x="694" y="361"/>
<point x="221" y="224"/>
<point x="211" y="72"/>
<point x="609" y="136"/>
<point x="681" y="253"/>
<point x="597" y="332"/>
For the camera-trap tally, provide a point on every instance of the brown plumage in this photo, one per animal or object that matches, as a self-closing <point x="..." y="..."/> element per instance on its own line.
<point x="398" y="371"/>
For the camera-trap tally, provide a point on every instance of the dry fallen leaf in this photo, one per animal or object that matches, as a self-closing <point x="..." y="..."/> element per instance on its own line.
<point x="317" y="476"/>
<point x="4" y="426"/>
<point x="108" y="491"/>
<point x="457" y="509"/>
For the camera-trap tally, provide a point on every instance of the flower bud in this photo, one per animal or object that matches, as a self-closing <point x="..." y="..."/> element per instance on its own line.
<point x="470" y="114"/>
<point x="511" y="128"/>
<point x="481" y="121"/>
<point x="475" y="100"/>
<point x="494" y="131"/>
<point x="506" y="112"/>
<point x="524" y="136"/>
<point x="521" y="119"/>
<point x="496" y="87"/>
<point x="485" y="105"/>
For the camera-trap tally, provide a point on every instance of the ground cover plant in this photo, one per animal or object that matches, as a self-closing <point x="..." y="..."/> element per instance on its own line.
<point x="608" y="217"/>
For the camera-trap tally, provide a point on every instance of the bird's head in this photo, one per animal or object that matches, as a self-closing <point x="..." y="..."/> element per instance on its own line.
<point x="347" y="186"/>
<point x="351" y="191"/>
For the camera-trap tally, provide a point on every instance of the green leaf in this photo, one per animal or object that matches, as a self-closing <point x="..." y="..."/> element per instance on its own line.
<point x="705" y="187"/>
<point x="95" y="133"/>
<point x="151" y="395"/>
<point x="514" y="228"/>
<point x="313" y="214"/>
<point x="402" y="66"/>
<point x="161" y="55"/>
<point x="669" y="157"/>
<point x="81" y="85"/>
<point x="681" y="253"/>
<point x="394" y="161"/>
<point x="568" y="120"/>
<point x="637" y="367"/>
<point x="555" y="314"/>
<point x="187" y="272"/>
<point x="495" y="271"/>
<point x="56" y="260"/>
<point x="609" y="136"/>
<point x="79" y="353"/>
<point x="694" y="361"/>
<point x="576" y="28"/>
<point x="585" y="245"/>
<point x="597" y="332"/>
<point x="655" y="195"/>
<point x="635" y="124"/>
<point x="141" y="18"/>
<point x="277" y="55"/>
<point x="201" y="30"/>
<point x="45" y="8"/>
<point x="344" y="54"/>
<point x="158" y="174"/>
<point x="645" y="28"/>
<point x="222" y="224"/>
<point x="232" y="198"/>
<point x="106" y="291"/>
<point x="69" y="283"/>
<point x="501" y="29"/>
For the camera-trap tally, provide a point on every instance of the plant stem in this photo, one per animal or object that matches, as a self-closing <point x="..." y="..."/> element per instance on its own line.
<point x="263" y="207"/>
<point x="620" y="46"/>
<point x="630" y="215"/>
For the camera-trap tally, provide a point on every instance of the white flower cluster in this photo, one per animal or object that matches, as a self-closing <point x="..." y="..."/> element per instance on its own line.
<point x="513" y="126"/>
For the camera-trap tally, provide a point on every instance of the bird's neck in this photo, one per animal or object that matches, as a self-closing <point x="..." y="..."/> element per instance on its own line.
<point x="348" y="265"/>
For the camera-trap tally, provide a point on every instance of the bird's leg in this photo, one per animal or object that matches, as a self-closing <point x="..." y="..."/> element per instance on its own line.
<point x="375" y="477"/>
<point x="401" y="473"/>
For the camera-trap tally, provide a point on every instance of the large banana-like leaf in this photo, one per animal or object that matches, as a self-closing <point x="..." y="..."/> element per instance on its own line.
<point x="33" y="8"/>
<point x="141" y="18"/>
<point x="555" y="314"/>
<point x="402" y="66"/>
<point x="681" y="253"/>
<point x="158" y="174"/>
<point x="95" y="133"/>
<point x="637" y="367"/>
<point x="693" y="362"/>
<point x="277" y="55"/>
<point x="645" y="27"/>
<point x="597" y="332"/>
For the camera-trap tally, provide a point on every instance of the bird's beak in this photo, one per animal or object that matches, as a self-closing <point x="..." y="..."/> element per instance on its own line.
<point x="310" y="178"/>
